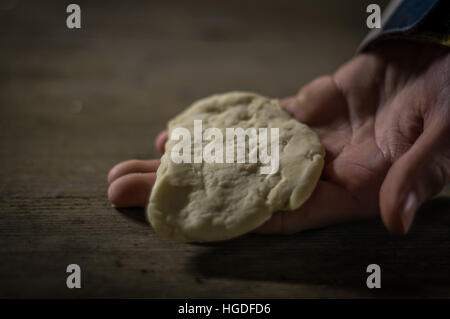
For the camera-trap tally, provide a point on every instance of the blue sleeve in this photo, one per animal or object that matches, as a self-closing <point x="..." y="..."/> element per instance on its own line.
<point x="408" y="15"/>
<point x="406" y="19"/>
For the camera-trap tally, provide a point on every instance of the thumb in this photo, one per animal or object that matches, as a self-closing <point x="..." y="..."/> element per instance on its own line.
<point x="416" y="176"/>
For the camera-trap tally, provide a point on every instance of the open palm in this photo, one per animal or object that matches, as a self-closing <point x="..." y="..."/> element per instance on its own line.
<point x="384" y="120"/>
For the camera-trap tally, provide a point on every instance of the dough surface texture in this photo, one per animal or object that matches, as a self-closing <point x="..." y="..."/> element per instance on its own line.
<point x="202" y="202"/>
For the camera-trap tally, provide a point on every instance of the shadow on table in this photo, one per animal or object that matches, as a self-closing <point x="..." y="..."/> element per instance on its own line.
<point x="414" y="265"/>
<point x="135" y="214"/>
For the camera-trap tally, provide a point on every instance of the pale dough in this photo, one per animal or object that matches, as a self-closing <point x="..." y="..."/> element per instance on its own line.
<point x="211" y="202"/>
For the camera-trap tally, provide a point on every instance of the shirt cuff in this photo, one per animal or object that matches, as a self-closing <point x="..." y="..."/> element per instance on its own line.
<point x="420" y="20"/>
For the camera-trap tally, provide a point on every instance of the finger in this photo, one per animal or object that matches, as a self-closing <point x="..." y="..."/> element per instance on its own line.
<point x="317" y="103"/>
<point x="161" y="141"/>
<point x="416" y="176"/>
<point x="289" y="104"/>
<point x="322" y="106"/>
<point x="132" y="166"/>
<point x="131" y="190"/>
<point x="329" y="204"/>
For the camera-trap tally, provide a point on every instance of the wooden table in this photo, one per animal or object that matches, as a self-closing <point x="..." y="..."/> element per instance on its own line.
<point x="75" y="102"/>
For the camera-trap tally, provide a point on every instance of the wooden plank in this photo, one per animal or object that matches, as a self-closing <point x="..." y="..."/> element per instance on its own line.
<point x="73" y="103"/>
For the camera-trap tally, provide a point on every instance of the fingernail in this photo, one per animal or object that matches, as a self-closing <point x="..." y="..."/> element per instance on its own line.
<point x="409" y="211"/>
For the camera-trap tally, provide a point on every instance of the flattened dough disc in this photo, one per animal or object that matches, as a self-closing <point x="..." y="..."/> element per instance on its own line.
<point x="217" y="201"/>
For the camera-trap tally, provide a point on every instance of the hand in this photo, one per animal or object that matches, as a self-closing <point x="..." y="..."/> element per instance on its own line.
<point x="384" y="119"/>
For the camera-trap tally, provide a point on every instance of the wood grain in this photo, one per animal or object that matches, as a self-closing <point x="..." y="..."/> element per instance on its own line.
<point x="75" y="102"/>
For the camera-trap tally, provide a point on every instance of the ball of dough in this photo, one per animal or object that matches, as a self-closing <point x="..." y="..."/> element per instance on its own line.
<point x="202" y="202"/>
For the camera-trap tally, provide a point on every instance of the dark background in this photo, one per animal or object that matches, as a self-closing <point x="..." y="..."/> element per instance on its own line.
<point x="75" y="102"/>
